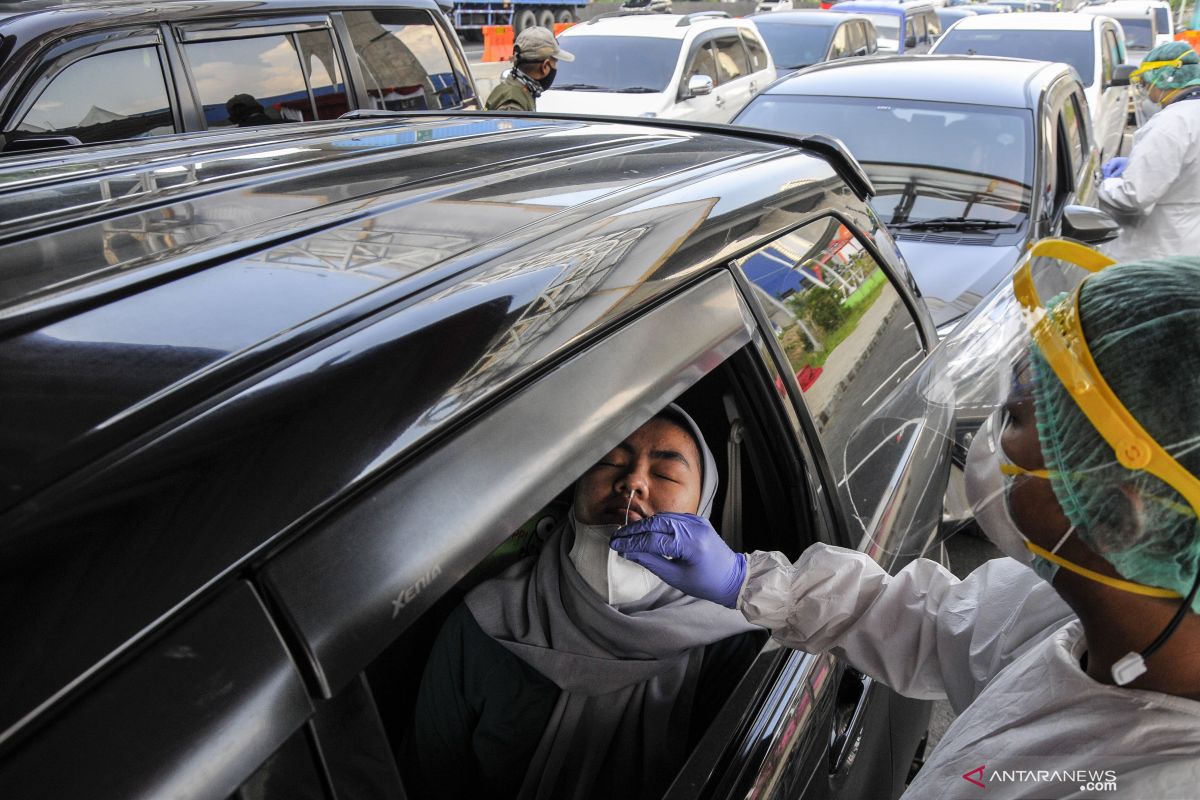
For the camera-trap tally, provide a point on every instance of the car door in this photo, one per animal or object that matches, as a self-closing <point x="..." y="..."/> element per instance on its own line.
<point x="73" y="99"/>
<point x="1110" y="117"/>
<point x="762" y="67"/>
<point x="736" y="82"/>
<point x="700" y="60"/>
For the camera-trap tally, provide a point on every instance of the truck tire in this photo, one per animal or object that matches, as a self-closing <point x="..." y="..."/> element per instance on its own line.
<point x="546" y="19"/>
<point x="566" y="16"/>
<point x="524" y="19"/>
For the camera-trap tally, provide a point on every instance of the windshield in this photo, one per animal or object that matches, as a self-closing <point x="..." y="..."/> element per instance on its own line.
<point x="886" y="25"/>
<point x="1162" y="20"/>
<point x="1139" y="34"/>
<point x="795" y="45"/>
<point x="927" y="160"/>
<point x="617" y="63"/>
<point x="1071" y="47"/>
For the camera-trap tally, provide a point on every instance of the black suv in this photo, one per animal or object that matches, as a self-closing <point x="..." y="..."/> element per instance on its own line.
<point x="73" y="72"/>
<point x="269" y="407"/>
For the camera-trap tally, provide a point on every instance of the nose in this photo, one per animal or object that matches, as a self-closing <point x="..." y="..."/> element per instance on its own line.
<point x="634" y="481"/>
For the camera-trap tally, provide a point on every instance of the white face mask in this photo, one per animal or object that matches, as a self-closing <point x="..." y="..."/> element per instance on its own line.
<point x="987" y="492"/>
<point x="616" y="579"/>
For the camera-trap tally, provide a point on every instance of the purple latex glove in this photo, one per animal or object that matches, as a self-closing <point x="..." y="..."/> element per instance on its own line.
<point x="685" y="551"/>
<point x="1114" y="167"/>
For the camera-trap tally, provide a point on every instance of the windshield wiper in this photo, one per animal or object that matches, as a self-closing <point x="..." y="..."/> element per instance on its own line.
<point x="586" y="87"/>
<point x="952" y="224"/>
<point x="637" y="90"/>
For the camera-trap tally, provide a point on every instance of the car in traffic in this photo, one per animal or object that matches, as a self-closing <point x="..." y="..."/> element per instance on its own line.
<point x="905" y="27"/>
<point x="1138" y="21"/>
<point x="1093" y="46"/>
<point x="76" y="72"/>
<point x="798" y="39"/>
<point x="973" y="158"/>
<point x="272" y="407"/>
<point x="1164" y="22"/>
<point x="948" y="15"/>
<point x="985" y="8"/>
<point x="703" y="66"/>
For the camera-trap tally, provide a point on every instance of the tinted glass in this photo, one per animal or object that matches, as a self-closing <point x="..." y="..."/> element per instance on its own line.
<point x="933" y="26"/>
<point x="1070" y="47"/>
<point x="754" y="47"/>
<point x="403" y="60"/>
<point x="86" y="102"/>
<point x="1074" y="131"/>
<point x="913" y="148"/>
<point x="1108" y="56"/>
<point x="841" y="43"/>
<point x="702" y="63"/>
<point x="795" y="46"/>
<point x="1162" y="20"/>
<point x="1139" y="33"/>
<point x="324" y="73"/>
<point x="848" y="337"/>
<point x="858" y="38"/>
<point x="731" y="58"/>
<point x="247" y="82"/>
<point x="615" y="63"/>
<point x="287" y="775"/>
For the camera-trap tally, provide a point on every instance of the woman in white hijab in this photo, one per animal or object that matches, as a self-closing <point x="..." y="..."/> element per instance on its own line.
<point x="576" y="673"/>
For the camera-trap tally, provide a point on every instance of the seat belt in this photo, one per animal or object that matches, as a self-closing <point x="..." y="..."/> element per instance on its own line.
<point x="731" y="510"/>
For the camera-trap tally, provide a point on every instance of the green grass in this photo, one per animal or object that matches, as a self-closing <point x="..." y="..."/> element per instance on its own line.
<point x="863" y="298"/>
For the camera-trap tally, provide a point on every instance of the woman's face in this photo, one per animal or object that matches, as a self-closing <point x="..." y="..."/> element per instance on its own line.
<point x="659" y="465"/>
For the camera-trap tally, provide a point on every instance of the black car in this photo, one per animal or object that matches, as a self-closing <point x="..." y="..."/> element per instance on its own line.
<point x="74" y="72"/>
<point x="269" y="407"/>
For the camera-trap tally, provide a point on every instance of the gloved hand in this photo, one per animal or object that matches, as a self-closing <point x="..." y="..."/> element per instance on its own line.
<point x="1114" y="167"/>
<point x="685" y="551"/>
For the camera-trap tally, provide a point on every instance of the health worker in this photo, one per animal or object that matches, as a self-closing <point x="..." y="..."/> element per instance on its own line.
<point x="1080" y="650"/>
<point x="1155" y="192"/>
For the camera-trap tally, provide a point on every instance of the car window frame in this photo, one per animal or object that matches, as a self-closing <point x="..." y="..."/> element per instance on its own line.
<point x="731" y="34"/>
<point x="55" y="60"/>
<point x="749" y="36"/>
<point x="698" y="44"/>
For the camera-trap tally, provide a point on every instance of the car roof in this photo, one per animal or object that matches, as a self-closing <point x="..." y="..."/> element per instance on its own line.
<point x="210" y="272"/>
<point x="973" y="80"/>
<point x="1033" y="20"/>
<point x="811" y="17"/>
<point x="1117" y="10"/>
<point x="663" y="26"/>
<point x="876" y="7"/>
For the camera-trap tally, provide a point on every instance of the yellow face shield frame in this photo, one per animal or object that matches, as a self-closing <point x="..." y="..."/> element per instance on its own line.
<point x="1060" y="339"/>
<point x="1136" y="75"/>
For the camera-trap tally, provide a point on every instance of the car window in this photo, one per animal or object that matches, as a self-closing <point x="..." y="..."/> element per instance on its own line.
<point x="858" y="39"/>
<point x="403" y="60"/>
<point x="1076" y="138"/>
<point x="320" y="63"/>
<point x="933" y="27"/>
<point x="429" y="682"/>
<point x="251" y="81"/>
<point x="1107" y="57"/>
<point x="849" y="339"/>
<point x="756" y="51"/>
<point x="289" y="773"/>
<point x="731" y="58"/>
<point x="85" y="101"/>
<point x="702" y="63"/>
<point x="910" y="33"/>
<point x="872" y="41"/>
<point x="841" y="43"/>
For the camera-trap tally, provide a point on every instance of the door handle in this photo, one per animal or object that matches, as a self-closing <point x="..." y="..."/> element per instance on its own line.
<point x="720" y="101"/>
<point x="854" y="697"/>
<point x="753" y="87"/>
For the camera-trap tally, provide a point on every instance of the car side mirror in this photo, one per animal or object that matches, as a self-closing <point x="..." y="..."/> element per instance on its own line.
<point x="1089" y="225"/>
<point x="1121" y="74"/>
<point x="862" y="51"/>
<point x="699" y="85"/>
<point x="22" y="144"/>
<point x="910" y="41"/>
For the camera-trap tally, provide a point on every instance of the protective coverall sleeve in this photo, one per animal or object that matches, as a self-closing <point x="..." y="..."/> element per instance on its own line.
<point x="1154" y="165"/>
<point x="923" y="632"/>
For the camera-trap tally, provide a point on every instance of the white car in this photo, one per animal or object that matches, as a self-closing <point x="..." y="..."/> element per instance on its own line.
<point x="1093" y="45"/>
<point x="1164" y="23"/>
<point x="702" y="66"/>
<point x="1139" y="21"/>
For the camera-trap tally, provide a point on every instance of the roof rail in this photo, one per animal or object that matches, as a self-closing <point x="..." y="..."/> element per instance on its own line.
<point x="624" y="12"/>
<point x="696" y="16"/>
<point x="828" y="147"/>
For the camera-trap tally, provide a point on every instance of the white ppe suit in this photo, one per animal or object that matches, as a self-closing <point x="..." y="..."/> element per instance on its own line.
<point x="1005" y="650"/>
<point x="1157" y="198"/>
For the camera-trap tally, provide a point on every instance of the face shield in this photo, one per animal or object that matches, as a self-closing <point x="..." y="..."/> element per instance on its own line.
<point x="1143" y="81"/>
<point x="1029" y="414"/>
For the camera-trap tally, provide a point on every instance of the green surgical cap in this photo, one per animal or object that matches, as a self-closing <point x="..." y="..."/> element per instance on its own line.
<point x="1141" y="321"/>
<point x="1172" y="78"/>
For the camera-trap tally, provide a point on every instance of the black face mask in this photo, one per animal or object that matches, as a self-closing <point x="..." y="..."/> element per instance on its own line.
<point x="547" y="81"/>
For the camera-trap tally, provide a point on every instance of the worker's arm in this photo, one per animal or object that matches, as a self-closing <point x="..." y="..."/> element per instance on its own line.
<point x="1154" y="165"/>
<point x="922" y="632"/>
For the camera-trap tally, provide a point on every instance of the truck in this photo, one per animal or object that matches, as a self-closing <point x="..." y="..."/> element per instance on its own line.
<point x="474" y="15"/>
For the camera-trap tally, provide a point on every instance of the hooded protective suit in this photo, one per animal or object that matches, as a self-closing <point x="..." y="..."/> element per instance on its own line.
<point x="1157" y="197"/>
